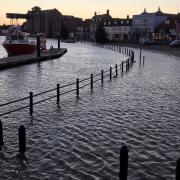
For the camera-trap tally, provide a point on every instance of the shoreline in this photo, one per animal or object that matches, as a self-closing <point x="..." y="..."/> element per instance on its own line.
<point x="164" y="49"/>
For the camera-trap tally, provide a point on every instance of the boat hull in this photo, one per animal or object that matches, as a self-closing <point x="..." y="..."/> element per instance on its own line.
<point x="19" y="49"/>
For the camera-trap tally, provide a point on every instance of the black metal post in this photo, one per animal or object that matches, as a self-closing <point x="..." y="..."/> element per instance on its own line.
<point x="1" y="135"/>
<point x="116" y="67"/>
<point x="58" y="94"/>
<point x="140" y="55"/>
<point x="123" y="172"/>
<point x="122" y="66"/>
<point x="58" y="42"/>
<point x="38" y="46"/>
<point x="102" y="76"/>
<point x="77" y="87"/>
<point x="22" y="139"/>
<point x="31" y="102"/>
<point x="178" y="169"/>
<point x="91" y="81"/>
<point x="143" y="60"/>
<point x="110" y="73"/>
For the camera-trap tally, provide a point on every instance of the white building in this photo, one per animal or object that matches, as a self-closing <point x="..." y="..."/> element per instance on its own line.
<point x="118" y="29"/>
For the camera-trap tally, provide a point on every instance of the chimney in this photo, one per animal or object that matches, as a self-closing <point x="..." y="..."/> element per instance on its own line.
<point x="107" y="12"/>
<point x="95" y="13"/>
<point x="128" y="16"/>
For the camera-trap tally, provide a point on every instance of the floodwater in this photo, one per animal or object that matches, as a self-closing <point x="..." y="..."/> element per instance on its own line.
<point x="82" y="138"/>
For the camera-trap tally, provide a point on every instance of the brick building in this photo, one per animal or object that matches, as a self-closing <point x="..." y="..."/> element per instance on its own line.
<point x="43" y="21"/>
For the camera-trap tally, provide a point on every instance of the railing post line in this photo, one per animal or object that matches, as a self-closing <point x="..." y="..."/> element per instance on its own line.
<point x="140" y="55"/>
<point x="58" y="94"/>
<point x="77" y="87"/>
<point x="31" y="102"/>
<point x="123" y="172"/>
<point x="1" y="135"/>
<point x="102" y="76"/>
<point x="22" y="139"/>
<point x="91" y="81"/>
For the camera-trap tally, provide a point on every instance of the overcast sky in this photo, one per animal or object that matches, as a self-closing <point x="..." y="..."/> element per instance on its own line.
<point x="86" y="8"/>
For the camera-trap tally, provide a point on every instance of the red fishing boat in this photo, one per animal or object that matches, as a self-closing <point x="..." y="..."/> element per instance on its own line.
<point x="18" y="43"/>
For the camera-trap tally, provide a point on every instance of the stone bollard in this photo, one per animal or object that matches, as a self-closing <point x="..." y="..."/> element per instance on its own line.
<point x="1" y="135"/>
<point x="178" y="169"/>
<point x="22" y="139"/>
<point x="123" y="172"/>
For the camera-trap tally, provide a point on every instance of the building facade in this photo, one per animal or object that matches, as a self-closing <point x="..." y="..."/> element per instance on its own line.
<point x="118" y="29"/>
<point x="83" y="30"/>
<point x="97" y="20"/>
<point x="145" y="23"/>
<point x="43" y="21"/>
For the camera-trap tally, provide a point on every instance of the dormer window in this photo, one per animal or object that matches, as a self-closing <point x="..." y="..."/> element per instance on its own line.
<point x="121" y="22"/>
<point x="127" y="22"/>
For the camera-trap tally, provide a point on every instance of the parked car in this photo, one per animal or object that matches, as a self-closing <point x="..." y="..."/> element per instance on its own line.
<point x="146" y="40"/>
<point x="175" y="43"/>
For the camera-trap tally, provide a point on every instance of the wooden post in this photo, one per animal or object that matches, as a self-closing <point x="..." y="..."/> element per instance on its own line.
<point x="123" y="172"/>
<point x="1" y="135"/>
<point x="110" y="73"/>
<point x="143" y="60"/>
<point x="116" y="67"/>
<point x="77" y="87"/>
<point x="22" y="139"/>
<point x="178" y="169"/>
<point x="91" y="81"/>
<point x="102" y="76"/>
<point x="38" y="45"/>
<point x="31" y="102"/>
<point x="58" y="94"/>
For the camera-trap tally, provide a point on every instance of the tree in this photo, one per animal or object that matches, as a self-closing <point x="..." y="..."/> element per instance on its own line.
<point x="64" y="31"/>
<point x="100" y="35"/>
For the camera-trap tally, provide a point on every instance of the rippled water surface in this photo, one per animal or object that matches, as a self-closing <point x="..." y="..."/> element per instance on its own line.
<point x="81" y="139"/>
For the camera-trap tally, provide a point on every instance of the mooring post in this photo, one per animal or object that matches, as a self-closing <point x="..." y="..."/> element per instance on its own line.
<point x="102" y="76"/>
<point x="58" y="42"/>
<point x="91" y="81"/>
<point x="143" y="60"/>
<point x="110" y="74"/>
<point x="38" y="45"/>
<point x="58" y="94"/>
<point x="22" y="139"/>
<point x="123" y="172"/>
<point x="77" y="87"/>
<point x="116" y="67"/>
<point x="31" y="102"/>
<point x="1" y="135"/>
<point x="178" y="169"/>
